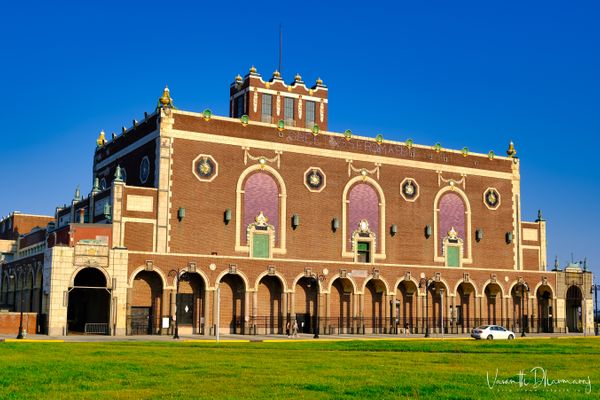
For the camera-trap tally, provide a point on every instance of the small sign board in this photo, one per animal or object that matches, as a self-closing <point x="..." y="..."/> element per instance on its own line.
<point x="359" y="273"/>
<point x="165" y="323"/>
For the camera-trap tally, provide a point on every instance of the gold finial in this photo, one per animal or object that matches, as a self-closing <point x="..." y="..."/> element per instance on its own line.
<point x="166" y="100"/>
<point x="298" y="78"/>
<point x="319" y="82"/>
<point x="276" y="74"/>
<point x="253" y="69"/>
<point x="261" y="219"/>
<point x="511" y="149"/>
<point x="363" y="226"/>
<point x="101" y="141"/>
<point x="238" y="78"/>
<point x="452" y="234"/>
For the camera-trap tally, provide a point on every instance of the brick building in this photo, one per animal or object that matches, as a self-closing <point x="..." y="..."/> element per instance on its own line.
<point x="266" y="216"/>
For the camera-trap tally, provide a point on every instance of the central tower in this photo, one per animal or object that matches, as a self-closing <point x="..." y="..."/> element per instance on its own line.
<point x="275" y="102"/>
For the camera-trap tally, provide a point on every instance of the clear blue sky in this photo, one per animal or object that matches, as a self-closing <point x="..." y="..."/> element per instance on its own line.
<point x="471" y="74"/>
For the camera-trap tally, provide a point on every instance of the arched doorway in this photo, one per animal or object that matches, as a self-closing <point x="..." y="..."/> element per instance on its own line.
<point x="374" y="307"/>
<point x="520" y="304"/>
<point x="305" y="303"/>
<point x="492" y="312"/>
<point x="269" y="318"/>
<point x="406" y="307"/>
<point x="190" y="304"/>
<point x="341" y="306"/>
<point x="434" y="310"/>
<point x="465" y="308"/>
<point x="574" y="298"/>
<point x="232" y="304"/>
<point x="88" y="309"/>
<point x="544" y="309"/>
<point x="146" y="303"/>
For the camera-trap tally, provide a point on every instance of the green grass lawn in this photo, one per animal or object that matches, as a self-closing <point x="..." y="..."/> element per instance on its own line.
<point x="298" y="370"/>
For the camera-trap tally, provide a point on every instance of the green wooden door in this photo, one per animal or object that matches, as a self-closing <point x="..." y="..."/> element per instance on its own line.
<point x="453" y="256"/>
<point x="260" y="245"/>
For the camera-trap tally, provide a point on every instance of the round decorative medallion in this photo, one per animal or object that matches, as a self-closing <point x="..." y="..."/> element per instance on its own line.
<point x="144" y="169"/>
<point x="409" y="189"/>
<point x="205" y="167"/>
<point x="314" y="179"/>
<point x="491" y="198"/>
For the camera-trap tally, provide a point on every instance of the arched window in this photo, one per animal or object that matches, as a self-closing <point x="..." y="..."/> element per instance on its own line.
<point x="452" y="228"/>
<point x="261" y="205"/>
<point x="363" y="239"/>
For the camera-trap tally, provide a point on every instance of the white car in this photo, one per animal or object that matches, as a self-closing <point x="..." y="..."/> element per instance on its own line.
<point x="492" y="332"/>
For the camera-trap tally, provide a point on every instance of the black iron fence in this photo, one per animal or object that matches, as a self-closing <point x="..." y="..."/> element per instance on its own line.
<point x="403" y="326"/>
<point x="269" y="325"/>
<point x="96" y="328"/>
<point x="149" y="325"/>
<point x="273" y="325"/>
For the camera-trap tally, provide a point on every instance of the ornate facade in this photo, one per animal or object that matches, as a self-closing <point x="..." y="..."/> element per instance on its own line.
<point x="265" y="216"/>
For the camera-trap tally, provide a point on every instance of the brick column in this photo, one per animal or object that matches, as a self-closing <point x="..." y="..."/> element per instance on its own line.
<point x="327" y="310"/>
<point x="293" y="305"/>
<point x="254" y="310"/>
<point x="246" y="312"/>
<point x="208" y="310"/>
<point x="284" y="307"/>
<point x="360" y="307"/>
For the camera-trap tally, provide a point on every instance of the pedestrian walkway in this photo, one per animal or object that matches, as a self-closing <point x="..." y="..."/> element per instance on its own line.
<point x="302" y="337"/>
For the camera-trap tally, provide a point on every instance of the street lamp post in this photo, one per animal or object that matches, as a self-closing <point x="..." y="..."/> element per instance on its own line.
<point x="595" y="291"/>
<point x="15" y="275"/>
<point x="316" y="279"/>
<point x="177" y="274"/>
<point x="318" y="292"/>
<point x="442" y="311"/>
<point x="523" y="287"/>
<point x="426" y="282"/>
<point x="20" y="335"/>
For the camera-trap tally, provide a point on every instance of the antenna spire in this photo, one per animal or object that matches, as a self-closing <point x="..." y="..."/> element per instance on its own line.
<point x="280" y="45"/>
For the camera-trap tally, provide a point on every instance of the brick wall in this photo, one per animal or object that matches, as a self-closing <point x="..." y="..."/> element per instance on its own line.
<point x="139" y="236"/>
<point x="205" y="203"/>
<point x="9" y="323"/>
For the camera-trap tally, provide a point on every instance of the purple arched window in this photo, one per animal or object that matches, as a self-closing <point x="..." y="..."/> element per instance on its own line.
<point x="261" y="193"/>
<point x="451" y="214"/>
<point x="363" y="204"/>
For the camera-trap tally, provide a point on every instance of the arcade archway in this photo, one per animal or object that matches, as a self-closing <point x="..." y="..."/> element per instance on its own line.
<point x="88" y="309"/>
<point x="406" y="306"/>
<point x="232" y="304"/>
<point x="374" y="307"/>
<point x="341" y="306"/>
<point x="146" y="304"/>
<point x="545" y="322"/>
<point x="269" y="305"/>
<point x="573" y="304"/>
<point x="492" y="308"/>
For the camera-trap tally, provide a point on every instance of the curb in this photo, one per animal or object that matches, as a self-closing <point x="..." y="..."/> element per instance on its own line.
<point x="32" y="340"/>
<point x="215" y="341"/>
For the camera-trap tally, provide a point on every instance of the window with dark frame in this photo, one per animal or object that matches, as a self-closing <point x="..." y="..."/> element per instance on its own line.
<point x="267" y="108"/>
<point x="363" y="252"/>
<point x="310" y="114"/>
<point x="238" y="109"/>
<point x="288" y="110"/>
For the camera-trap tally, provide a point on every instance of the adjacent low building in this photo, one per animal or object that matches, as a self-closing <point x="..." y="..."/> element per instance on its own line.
<point x="265" y="216"/>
